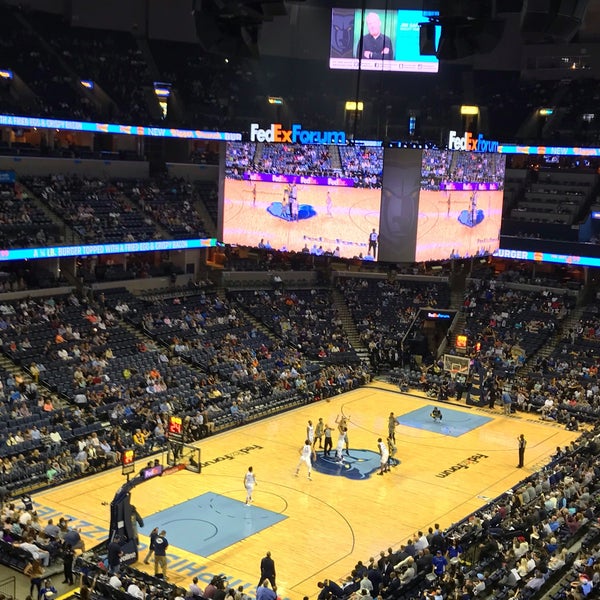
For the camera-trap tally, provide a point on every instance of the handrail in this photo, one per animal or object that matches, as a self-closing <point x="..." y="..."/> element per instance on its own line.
<point x="6" y="585"/>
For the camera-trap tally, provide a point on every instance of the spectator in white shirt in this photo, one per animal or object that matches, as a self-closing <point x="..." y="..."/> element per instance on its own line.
<point x="42" y="555"/>
<point x="421" y="542"/>
<point x="136" y="591"/>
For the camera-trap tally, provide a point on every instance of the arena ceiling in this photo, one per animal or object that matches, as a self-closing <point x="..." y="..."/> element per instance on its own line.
<point x="301" y="28"/>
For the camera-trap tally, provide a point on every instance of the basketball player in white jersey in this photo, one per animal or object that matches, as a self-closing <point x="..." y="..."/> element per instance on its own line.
<point x="310" y="433"/>
<point x="249" y="483"/>
<point x="341" y="443"/>
<point x="384" y="457"/>
<point x="305" y="457"/>
<point x="342" y="423"/>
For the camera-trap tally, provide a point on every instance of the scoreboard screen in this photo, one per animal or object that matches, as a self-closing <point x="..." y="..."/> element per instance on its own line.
<point x="440" y="204"/>
<point x="128" y="461"/>
<point x="380" y="40"/>
<point x="310" y="198"/>
<point x="175" y="426"/>
<point x="128" y="456"/>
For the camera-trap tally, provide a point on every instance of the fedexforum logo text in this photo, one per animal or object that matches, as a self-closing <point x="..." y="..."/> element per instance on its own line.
<point x="231" y="456"/>
<point x="463" y="464"/>
<point x="471" y="144"/>
<point x="295" y="135"/>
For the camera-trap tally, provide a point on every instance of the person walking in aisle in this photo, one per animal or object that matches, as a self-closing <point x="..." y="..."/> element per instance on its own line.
<point x="160" y="555"/>
<point x="153" y="536"/>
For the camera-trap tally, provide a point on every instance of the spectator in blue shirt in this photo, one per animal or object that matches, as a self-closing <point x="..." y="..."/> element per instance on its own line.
<point x="439" y="562"/>
<point x="264" y="592"/>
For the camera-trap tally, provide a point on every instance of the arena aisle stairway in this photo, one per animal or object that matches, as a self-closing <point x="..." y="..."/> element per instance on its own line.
<point x="349" y="325"/>
<point x="546" y="350"/>
<point x="334" y="153"/>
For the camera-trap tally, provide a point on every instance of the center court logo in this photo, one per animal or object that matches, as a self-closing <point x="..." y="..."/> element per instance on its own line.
<point x="295" y="135"/>
<point x="361" y="464"/>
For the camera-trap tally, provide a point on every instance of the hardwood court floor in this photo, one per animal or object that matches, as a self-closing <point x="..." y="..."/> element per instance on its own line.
<point x="354" y="213"/>
<point x="332" y="521"/>
<point x="439" y="232"/>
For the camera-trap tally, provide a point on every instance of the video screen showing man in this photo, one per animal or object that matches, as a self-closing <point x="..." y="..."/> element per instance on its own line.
<point x="374" y="45"/>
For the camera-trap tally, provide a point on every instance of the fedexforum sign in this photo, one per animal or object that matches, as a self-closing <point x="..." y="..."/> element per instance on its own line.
<point x="295" y="135"/>
<point x="471" y="144"/>
<point x="463" y="464"/>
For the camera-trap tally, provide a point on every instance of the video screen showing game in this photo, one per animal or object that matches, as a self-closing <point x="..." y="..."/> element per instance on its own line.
<point x="439" y="204"/>
<point x="379" y="40"/>
<point x="318" y="199"/>
<point x="460" y="204"/>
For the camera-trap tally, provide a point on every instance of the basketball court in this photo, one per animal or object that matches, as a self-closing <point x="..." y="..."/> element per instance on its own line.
<point x="346" y="223"/>
<point x="440" y="231"/>
<point x="318" y="528"/>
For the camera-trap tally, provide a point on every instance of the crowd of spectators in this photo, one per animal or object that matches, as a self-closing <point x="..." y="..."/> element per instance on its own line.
<point x="442" y="167"/>
<point x="101" y="210"/>
<point x="435" y="168"/>
<point x="363" y="163"/>
<point x="198" y="357"/>
<point x="196" y="354"/>
<point x="307" y="319"/>
<point x="239" y="158"/>
<point x="540" y="535"/>
<point x="22" y="222"/>
<point x="53" y="89"/>
<point x="38" y="545"/>
<point x="110" y="59"/>
<point x="563" y="384"/>
<point x="512" y="324"/>
<point x="69" y="348"/>
<point x="170" y="202"/>
<point x="289" y="159"/>
<point x="475" y="167"/>
<point x="383" y="311"/>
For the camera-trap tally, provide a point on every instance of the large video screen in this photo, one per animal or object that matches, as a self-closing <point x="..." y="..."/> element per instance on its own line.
<point x="303" y="198"/>
<point x="379" y="40"/>
<point x="439" y="204"/>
